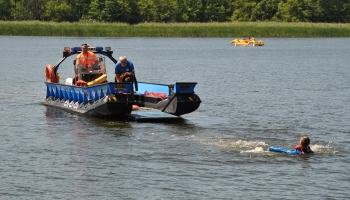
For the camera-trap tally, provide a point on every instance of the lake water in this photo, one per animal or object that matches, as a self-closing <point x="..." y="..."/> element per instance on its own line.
<point x="252" y="98"/>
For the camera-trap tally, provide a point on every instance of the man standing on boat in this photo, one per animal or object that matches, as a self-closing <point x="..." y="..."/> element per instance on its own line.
<point x="123" y="66"/>
<point x="84" y="61"/>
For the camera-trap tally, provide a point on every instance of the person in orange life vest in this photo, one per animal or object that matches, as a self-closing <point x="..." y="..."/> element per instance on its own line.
<point x="303" y="145"/>
<point x="84" y="60"/>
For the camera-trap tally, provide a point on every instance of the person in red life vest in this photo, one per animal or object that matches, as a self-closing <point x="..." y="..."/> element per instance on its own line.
<point x="303" y="145"/>
<point x="84" y="61"/>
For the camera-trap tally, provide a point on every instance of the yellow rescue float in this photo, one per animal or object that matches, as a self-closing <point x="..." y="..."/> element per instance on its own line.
<point x="247" y="42"/>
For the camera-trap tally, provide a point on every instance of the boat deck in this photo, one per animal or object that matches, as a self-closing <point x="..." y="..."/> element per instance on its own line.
<point x="151" y="115"/>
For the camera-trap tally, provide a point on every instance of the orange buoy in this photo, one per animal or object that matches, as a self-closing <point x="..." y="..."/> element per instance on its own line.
<point x="50" y="74"/>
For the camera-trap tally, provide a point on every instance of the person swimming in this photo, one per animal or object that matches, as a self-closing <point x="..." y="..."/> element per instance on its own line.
<point x="303" y="145"/>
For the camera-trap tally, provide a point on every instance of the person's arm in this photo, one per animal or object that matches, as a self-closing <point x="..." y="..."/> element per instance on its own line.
<point x="132" y="68"/>
<point x="116" y="73"/>
<point x="76" y="68"/>
<point x="309" y="150"/>
<point x="117" y="76"/>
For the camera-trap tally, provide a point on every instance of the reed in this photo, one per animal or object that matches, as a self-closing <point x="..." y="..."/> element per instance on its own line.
<point x="234" y="29"/>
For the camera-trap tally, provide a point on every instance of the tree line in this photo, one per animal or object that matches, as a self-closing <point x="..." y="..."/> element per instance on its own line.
<point x="172" y="11"/>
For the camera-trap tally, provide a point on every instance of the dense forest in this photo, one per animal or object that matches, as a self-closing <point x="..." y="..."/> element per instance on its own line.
<point x="170" y="11"/>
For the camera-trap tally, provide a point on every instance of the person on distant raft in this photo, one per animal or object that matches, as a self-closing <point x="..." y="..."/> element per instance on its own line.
<point x="303" y="145"/>
<point x="123" y="65"/>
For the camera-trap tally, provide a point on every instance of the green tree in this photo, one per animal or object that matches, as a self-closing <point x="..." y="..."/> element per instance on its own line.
<point x="292" y="11"/>
<point x="165" y="10"/>
<point x="58" y="12"/>
<point x="136" y="11"/>
<point x="338" y="12"/>
<point x="134" y="15"/>
<point x="116" y="11"/>
<point x="95" y="9"/>
<point x="194" y="10"/>
<point x="5" y="10"/>
<point x="20" y="11"/>
<point x="216" y="11"/>
<point x="79" y="9"/>
<point x="243" y="10"/>
<point x="36" y="8"/>
<point x="265" y="10"/>
<point x="181" y="11"/>
<point x="147" y="9"/>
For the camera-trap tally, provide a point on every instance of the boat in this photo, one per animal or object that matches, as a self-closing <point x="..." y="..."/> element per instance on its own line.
<point x="90" y="94"/>
<point x="247" y="42"/>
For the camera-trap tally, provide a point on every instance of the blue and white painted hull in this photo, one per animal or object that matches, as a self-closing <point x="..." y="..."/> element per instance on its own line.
<point x="109" y="99"/>
<point x="117" y="99"/>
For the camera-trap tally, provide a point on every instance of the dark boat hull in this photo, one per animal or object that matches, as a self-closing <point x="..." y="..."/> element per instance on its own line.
<point x="175" y="104"/>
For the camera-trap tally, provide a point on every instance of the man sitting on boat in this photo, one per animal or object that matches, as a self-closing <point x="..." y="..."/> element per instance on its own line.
<point x="84" y="61"/>
<point x="123" y="66"/>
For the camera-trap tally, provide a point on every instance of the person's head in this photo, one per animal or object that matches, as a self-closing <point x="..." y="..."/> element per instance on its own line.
<point x="122" y="60"/>
<point x="304" y="142"/>
<point x="84" y="48"/>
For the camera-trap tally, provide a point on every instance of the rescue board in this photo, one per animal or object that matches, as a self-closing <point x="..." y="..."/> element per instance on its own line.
<point x="284" y="150"/>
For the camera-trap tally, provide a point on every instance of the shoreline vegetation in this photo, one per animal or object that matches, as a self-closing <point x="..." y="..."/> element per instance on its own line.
<point x="214" y="29"/>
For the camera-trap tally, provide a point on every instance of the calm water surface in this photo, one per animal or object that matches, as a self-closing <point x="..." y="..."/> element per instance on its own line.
<point x="253" y="97"/>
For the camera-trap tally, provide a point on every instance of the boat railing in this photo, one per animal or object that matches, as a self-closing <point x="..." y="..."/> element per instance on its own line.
<point x="178" y="87"/>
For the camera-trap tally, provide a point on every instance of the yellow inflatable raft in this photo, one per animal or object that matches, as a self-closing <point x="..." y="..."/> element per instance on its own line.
<point x="247" y="42"/>
<point x="98" y="80"/>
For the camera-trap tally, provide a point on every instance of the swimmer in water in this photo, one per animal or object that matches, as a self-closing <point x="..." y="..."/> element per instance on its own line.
<point x="303" y="145"/>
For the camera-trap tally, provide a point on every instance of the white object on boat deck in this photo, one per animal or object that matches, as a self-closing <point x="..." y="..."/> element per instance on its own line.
<point x="69" y="81"/>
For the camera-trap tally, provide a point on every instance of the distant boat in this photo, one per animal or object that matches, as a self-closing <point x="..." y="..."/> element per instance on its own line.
<point x="246" y="42"/>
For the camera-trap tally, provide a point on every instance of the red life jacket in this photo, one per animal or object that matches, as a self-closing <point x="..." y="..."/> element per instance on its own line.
<point x="298" y="147"/>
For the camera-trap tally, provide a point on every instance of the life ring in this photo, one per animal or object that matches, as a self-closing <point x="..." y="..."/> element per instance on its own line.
<point x="126" y="77"/>
<point x="50" y="74"/>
